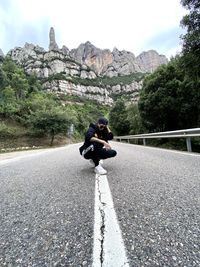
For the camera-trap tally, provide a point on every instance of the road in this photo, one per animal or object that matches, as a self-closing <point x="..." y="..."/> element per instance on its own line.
<point x="47" y="207"/>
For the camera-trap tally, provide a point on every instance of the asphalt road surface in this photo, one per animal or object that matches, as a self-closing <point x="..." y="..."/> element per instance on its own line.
<point x="47" y="207"/>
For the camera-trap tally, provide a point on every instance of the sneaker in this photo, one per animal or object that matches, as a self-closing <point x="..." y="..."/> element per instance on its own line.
<point x="100" y="170"/>
<point x="92" y="162"/>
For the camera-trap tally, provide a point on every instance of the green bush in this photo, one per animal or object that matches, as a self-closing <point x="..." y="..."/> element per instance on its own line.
<point x="5" y="130"/>
<point x="102" y="82"/>
<point x="10" y="130"/>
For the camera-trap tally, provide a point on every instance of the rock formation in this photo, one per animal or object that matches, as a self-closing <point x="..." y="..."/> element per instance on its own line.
<point x="105" y="62"/>
<point x="93" y="57"/>
<point x="52" y="41"/>
<point x="102" y="95"/>
<point x="150" y="60"/>
<point x="65" y="50"/>
<point x="36" y="60"/>
<point x="1" y="53"/>
<point x="79" y="71"/>
<point x="123" y="64"/>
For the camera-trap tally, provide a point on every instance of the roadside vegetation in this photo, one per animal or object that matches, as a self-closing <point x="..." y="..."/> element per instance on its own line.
<point x="31" y="117"/>
<point x="170" y="97"/>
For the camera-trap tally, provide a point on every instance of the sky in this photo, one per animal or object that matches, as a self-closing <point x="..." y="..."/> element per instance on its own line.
<point x="131" y="25"/>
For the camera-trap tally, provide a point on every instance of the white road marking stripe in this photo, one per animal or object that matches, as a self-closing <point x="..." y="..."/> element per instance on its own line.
<point x="108" y="250"/>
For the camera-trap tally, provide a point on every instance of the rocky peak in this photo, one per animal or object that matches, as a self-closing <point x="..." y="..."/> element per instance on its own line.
<point x="117" y="54"/>
<point x="1" y="53"/>
<point x="22" y="55"/>
<point x="150" y="60"/>
<point x="92" y="56"/>
<point x="117" y="62"/>
<point x="65" y="50"/>
<point x="123" y="63"/>
<point x="52" y="41"/>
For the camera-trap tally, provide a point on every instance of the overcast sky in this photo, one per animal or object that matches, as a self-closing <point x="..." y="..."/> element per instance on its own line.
<point x="132" y="25"/>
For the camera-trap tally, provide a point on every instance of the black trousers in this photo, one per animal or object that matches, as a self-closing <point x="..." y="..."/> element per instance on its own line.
<point x="100" y="153"/>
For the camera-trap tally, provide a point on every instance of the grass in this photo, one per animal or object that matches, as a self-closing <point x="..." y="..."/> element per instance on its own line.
<point x="28" y="142"/>
<point x="15" y="137"/>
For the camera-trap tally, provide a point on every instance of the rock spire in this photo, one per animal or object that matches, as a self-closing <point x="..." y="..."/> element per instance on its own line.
<point x="52" y="41"/>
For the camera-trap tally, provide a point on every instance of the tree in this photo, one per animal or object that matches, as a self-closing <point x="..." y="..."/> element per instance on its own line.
<point x="157" y="104"/>
<point x="190" y="61"/>
<point x="8" y="104"/>
<point x="169" y="99"/>
<point x="9" y="67"/>
<point x="34" y="84"/>
<point x="191" y="21"/>
<point x="51" y="122"/>
<point x="38" y="101"/>
<point x="45" y="115"/>
<point x="16" y="78"/>
<point x="118" y="118"/>
<point x="191" y="40"/>
<point x="3" y="79"/>
<point x="134" y="118"/>
<point x="20" y="84"/>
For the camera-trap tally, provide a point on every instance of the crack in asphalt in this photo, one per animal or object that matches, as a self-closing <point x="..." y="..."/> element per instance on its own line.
<point x="102" y="228"/>
<point x="102" y="237"/>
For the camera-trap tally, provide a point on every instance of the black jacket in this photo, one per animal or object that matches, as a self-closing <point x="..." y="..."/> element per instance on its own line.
<point x="94" y="131"/>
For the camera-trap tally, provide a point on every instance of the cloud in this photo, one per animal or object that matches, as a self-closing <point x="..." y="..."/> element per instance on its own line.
<point x="16" y="29"/>
<point x="167" y="42"/>
<point x="5" y="5"/>
<point x="126" y="24"/>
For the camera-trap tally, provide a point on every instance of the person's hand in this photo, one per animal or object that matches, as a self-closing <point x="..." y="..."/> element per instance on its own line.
<point x="108" y="129"/>
<point x="107" y="146"/>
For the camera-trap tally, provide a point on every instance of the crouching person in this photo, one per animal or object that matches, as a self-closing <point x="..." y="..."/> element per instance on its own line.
<point x="96" y="147"/>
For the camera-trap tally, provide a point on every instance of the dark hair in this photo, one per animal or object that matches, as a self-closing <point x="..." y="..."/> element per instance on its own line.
<point x="103" y="121"/>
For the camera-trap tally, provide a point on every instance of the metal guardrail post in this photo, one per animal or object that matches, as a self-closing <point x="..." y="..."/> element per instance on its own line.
<point x="189" y="146"/>
<point x="144" y="141"/>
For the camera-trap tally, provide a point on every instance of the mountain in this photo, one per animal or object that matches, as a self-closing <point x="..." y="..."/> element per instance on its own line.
<point x="87" y="71"/>
<point x="116" y="63"/>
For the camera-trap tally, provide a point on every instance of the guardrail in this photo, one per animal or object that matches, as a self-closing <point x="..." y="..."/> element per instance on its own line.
<point x="188" y="133"/>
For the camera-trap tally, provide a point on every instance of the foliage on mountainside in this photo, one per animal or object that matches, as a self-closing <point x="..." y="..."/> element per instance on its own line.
<point x="27" y="111"/>
<point x="99" y="81"/>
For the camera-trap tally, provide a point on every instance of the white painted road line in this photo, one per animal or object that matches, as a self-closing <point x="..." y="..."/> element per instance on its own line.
<point x="109" y="249"/>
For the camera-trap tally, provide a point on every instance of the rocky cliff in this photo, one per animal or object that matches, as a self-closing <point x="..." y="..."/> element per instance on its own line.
<point x="116" y="63"/>
<point x="44" y="64"/>
<point x="83" y="71"/>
